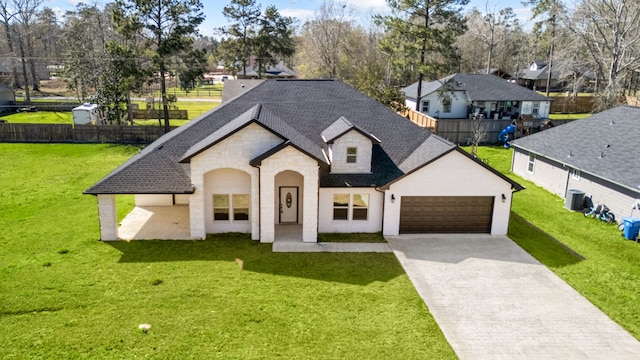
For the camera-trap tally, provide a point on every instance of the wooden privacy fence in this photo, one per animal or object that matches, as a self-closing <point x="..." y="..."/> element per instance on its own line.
<point x="460" y="131"/>
<point x="64" y="133"/>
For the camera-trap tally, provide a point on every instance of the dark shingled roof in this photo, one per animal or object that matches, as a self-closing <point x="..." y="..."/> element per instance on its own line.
<point x="478" y="87"/>
<point x="605" y="145"/>
<point x="341" y="127"/>
<point x="298" y="111"/>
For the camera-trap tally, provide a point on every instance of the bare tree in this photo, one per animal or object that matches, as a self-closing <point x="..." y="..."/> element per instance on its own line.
<point x="26" y="13"/>
<point x="7" y="13"/>
<point x="610" y="30"/>
<point x="324" y="40"/>
<point x="492" y="28"/>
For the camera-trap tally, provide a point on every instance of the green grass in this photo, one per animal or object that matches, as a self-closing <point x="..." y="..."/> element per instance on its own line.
<point x="195" y="109"/>
<point x="40" y="117"/>
<point x="64" y="294"/>
<point x="609" y="274"/>
<point x="353" y="237"/>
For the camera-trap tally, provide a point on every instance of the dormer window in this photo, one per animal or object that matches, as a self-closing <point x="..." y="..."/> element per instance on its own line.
<point x="352" y="155"/>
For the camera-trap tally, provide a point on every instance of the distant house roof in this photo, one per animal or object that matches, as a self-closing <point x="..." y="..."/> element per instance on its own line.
<point x="279" y="70"/>
<point x="604" y="145"/>
<point x="495" y="72"/>
<point x="478" y="87"/>
<point x="560" y="70"/>
<point x="298" y="111"/>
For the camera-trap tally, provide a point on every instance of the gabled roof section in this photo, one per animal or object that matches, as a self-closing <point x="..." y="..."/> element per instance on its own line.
<point x="298" y="111"/>
<point x="267" y="120"/>
<point x="224" y="132"/>
<point x="430" y="159"/>
<point x="478" y="87"/>
<point x="341" y="127"/>
<point x="604" y="145"/>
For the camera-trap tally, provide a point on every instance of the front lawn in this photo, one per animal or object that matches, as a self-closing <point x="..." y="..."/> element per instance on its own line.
<point x="609" y="274"/>
<point x="64" y="294"/>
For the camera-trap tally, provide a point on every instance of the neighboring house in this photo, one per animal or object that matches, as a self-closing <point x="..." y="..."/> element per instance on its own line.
<point x="597" y="155"/>
<point x="495" y="72"/>
<point x="279" y="71"/>
<point x="535" y="76"/>
<point x="462" y="96"/>
<point x="317" y="154"/>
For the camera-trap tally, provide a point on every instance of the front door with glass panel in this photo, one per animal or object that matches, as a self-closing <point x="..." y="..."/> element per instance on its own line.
<point x="288" y="204"/>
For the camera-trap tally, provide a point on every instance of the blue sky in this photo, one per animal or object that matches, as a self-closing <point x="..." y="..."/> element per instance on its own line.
<point x="302" y="9"/>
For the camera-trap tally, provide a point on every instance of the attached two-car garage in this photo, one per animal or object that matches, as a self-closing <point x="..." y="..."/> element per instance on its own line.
<point x="446" y="214"/>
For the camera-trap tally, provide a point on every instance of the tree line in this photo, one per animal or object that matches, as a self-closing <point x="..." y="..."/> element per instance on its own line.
<point x="110" y="52"/>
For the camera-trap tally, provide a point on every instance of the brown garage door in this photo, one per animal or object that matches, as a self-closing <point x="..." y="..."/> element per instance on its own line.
<point x="445" y="214"/>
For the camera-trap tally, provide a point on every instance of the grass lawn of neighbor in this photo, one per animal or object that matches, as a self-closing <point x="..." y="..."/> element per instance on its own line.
<point x="64" y="294"/>
<point x="194" y="108"/>
<point x="607" y="268"/>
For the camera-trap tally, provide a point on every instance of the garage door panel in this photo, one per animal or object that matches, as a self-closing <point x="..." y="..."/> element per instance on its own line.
<point x="446" y="214"/>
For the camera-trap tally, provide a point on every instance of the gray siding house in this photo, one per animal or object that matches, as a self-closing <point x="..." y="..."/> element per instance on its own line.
<point x="475" y="94"/>
<point x="597" y="155"/>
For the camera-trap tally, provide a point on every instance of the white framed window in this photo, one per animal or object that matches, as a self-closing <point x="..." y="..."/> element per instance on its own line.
<point x="240" y="204"/>
<point x="350" y="206"/>
<point x="536" y="108"/>
<point x="575" y="174"/>
<point x="532" y="162"/>
<point x="446" y="105"/>
<point x="425" y="106"/>
<point x="340" y="206"/>
<point x="228" y="207"/>
<point x="352" y="155"/>
<point x="221" y="207"/>
<point x="360" y="207"/>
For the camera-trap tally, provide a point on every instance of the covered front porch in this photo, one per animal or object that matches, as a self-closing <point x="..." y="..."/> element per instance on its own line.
<point x="156" y="222"/>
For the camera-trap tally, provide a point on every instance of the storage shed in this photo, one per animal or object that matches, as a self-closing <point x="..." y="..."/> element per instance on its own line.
<point x="86" y="114"/>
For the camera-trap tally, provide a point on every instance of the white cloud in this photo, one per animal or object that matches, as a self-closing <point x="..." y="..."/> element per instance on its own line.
<point x="524" y="17"/>
<point x="368" y="5"/>
<point x="301" y="14"/>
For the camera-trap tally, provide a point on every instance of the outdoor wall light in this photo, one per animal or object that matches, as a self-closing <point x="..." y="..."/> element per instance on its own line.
<point x="393" y="198"/>
<point x="504" y="198"/>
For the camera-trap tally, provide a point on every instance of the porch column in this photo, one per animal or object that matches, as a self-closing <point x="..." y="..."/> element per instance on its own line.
<point x="108" y="217"/>
<point x="196" y="215"/>
<point x="255" y="204"/>
<point x="310" y="204"/>
<point x="267" y="207"/>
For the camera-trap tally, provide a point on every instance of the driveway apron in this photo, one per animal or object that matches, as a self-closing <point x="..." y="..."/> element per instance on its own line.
<point x="493" y="300"/>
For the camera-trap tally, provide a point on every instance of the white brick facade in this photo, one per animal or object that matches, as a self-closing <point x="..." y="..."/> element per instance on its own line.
<point x="339" y="153"/>
<point x="289" y="159"/>
<point x="108" y="217"/>
<point x="234" y="152"/>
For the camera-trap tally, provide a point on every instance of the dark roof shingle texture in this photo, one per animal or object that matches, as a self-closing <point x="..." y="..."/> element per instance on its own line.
<point x="478" y="87"/>
<point x="606" y="145"/>
<point x="298" y="110"/>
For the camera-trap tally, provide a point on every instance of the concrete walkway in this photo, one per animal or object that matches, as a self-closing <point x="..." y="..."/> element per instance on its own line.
<point x="493" y="300"/>
<point x="299" y="246"/>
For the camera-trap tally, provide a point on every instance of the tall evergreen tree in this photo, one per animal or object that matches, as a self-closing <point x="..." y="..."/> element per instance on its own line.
<point x="168" y="27"/>
<point x="421" y="35"/>
<point x="244" y="16"/>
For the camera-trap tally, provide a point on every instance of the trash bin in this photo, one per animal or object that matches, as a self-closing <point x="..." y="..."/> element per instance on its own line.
<point x="631" y="227"/>
<point x="573" y="200"/>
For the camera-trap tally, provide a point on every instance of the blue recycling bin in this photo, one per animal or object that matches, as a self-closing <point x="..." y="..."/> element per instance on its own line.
<point x="631" y="227"/>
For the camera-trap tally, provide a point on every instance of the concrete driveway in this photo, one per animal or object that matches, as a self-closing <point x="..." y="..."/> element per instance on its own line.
<point x="493" y="300"/>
